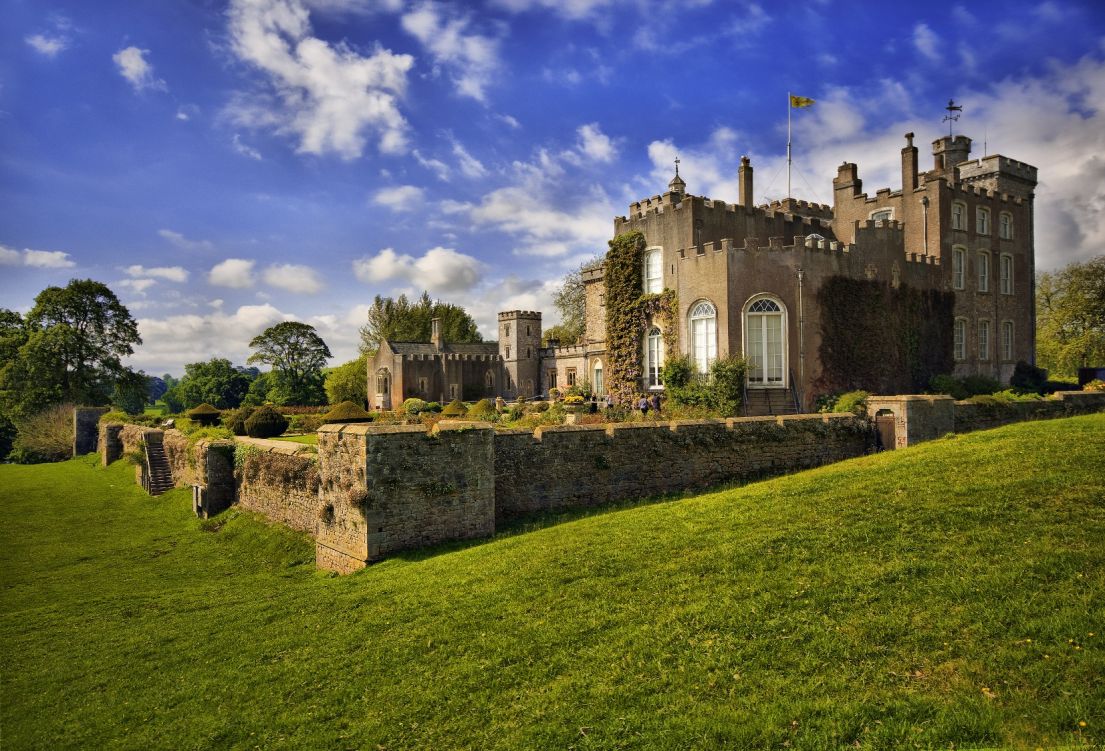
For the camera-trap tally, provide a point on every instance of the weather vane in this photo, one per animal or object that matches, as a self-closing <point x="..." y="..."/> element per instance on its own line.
<point x="950" y="118"/>
<point x="677" y="166"/>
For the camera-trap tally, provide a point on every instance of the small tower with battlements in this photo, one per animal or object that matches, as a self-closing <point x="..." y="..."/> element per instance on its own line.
<point x="519" y="342"/>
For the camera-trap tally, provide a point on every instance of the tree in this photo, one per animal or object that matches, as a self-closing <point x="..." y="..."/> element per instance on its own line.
<point x="296" y="355"/>
<point x="348" y="382"/>
<point x="132" y="390"/>
<point x="75" y="339"/>
<point x="571" y="302"/>
<point x="1070" y="317"/>
<point x="404" y="321"/>
<point x="216" y="382"/>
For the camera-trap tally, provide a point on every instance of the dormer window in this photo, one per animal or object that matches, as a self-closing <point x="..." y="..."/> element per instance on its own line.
<point x="653" y="272"/>
<point x="982" y="221"/>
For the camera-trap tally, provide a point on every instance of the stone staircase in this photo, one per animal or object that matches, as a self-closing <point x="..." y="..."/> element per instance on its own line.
<point x="765" y="402"/>
<point x="160" y="476"/>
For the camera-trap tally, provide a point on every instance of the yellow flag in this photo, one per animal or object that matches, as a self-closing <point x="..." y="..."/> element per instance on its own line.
<point x="800" y="101"/>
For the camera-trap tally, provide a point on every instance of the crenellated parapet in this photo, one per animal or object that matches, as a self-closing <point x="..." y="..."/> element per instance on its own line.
<point x="449" y="356"/>
<point x="510" y="315"/>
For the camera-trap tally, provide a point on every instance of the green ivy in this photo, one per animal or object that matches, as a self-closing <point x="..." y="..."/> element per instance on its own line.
<point x="628" y="313"/>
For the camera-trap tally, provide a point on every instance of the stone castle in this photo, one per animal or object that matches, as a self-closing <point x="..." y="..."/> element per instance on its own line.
<point x="746" y="278"/>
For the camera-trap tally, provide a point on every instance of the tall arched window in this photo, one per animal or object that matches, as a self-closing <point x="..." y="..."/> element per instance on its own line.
<point x="597" y="384"/>
<point x="654" y="357"/>
<point x="703" y="329"/>
<point x="653" y="272"/>
<point x="765" y="343"/>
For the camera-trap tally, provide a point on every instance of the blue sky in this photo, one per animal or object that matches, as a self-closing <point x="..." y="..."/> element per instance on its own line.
<point x="224" y="166"/>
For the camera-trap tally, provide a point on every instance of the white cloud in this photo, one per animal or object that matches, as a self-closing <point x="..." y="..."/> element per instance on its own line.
<point x="170" y="273"/>
<point x="47" y="45"/>
<point x="595" y="144"/>
<point x="293" y="278"/>
<point x="471" y="58"/>
<point x="926" y="41"/>
<point x="438" y="270"/>
<point x="233" y="272"/>
<point x="245" y="149"/>
<point x="570" y="9"/>
<point x="138" y="285"/>
<point x="9" y="256"/>
<point x="469" y="165"/>
<point x="182" y="242"/>
<point x="47" y="259"/>
<point x="327" y="96"/>
<point x="134" y="67"/>
<point x="399" y="198"/>
<point x="438" y="167"/>
<point x="510" y="121"/>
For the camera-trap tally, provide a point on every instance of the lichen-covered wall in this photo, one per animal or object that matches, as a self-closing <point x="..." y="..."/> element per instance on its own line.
<point x="281" y="485"/>
<point x="572" y="467"/>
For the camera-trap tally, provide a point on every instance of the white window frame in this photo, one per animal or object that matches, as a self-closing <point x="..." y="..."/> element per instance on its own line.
<point x="959" y="339"/>
<point x="1007" y="341"/>
<point x="654" y="358"/>
<point x="652" y="274"/>
<point x="875" y="215"/>
<point x="959" y="267"/>
<point x="983" y="271"/>
<point x="961" y="224"/>
<point x="984" y="339"/>
<point x="1005" y="225"/>
<point x="597" y="381"/>
<point x="1005" y="273"/>
<point x="702" y="323"/>
<point x="982" y="220"/>
<point x="785" y="343"/>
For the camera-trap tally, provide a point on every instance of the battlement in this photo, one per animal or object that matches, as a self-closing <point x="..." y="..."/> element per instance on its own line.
<point x="565" y="350"/>
<point x="593" y="273"/>
<point x="774" y="244"/>
<point x="977" y="191"/>
<point x="803" y="208"/>
<point x="510" y="315"/>
<point x="656" y="204"/>
<point x="997" y="164"/>
<point x="454" y="356"/>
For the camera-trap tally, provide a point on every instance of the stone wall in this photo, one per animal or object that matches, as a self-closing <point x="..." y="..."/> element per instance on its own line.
<point x="571" y="467"/>
<point x="86" y="429"/>
<point x="281" y="482"/>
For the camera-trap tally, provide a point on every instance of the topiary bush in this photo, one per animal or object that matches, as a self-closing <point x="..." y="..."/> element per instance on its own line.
<point x="204" y="414"/>
<point x="852" y="401"/>
<point x="455" y="408"/>
<point x="347" y="411"/>
<point x="306" y="423"/>
<point x="727" y="384"/>
<point x="1028" y="378"/>
<point x="432" y="407"/>
<point x="412" y="406"/>
<point x="946" y="384"/>
<point x="483" y="410"/>
<point x="979" y="384"/>
<point x="266" y="422"/>
<point x="234" y="420"/>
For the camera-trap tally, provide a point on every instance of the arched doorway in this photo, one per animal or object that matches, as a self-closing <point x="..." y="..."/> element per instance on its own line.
<point x="765" y="342"/>
<point x="654" y="358"/>
<point x="598" y="387"/>
<point x="383" y="388"/>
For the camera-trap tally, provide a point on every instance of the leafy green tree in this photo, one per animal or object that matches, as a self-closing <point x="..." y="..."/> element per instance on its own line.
<point x="131" y="392"/>
<point x="571" y="302"/>
<point x="76" y="337"/>
<point x="216" y="382"/>
<point x="258" y="392"/>
<point x="296" y="355"/>
<point x="405" y="321"/>
<point x="348" y="382"/>
<point x="1070" y="317"/>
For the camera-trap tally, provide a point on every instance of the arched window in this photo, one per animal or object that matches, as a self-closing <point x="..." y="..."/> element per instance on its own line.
<point x="597" y="383"/>
<point x="489" y="381"/>
<point x="654" y="357"/>
<point x="703" y="329"/>
<point x="959" y="267"/>
<point x="383" y="381"/>
<point x="653" y="272"/>
<point x="959" y="339"/>
<point x="765" y="343"/>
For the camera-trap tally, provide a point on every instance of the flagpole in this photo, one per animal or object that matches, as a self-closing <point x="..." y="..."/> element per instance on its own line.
<point x="788" y="145"/>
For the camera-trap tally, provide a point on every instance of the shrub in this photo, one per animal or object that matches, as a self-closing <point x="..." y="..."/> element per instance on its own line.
<point x="204" y="414"/>
<point x="677" y="372"/>
<point x="413" y="406"/>
<point x="266" y="422"/>
<point x="537" y="407"/>
<point x="151" y="421"/>
<point x="45" y="436"/>
<point x="1050" y="387"/>
<point x="825" y="402"/>
<point x="946" y="384"/>
<point x="979" y="384"/>
<point x="573" y="399"/>
<point x="306" y="423"/>
<point x="347" y="411"/>
<point x="554" y="393"/>
<point x="234" y="420"/>
<point x="484" y="409"/>
<point x="1012" y="395"/>
<point x="1095" y="385"/>
<point x="1028" y="378"/>
<point x="852" y="401"/>
<point x="455" y="408"/>
<point x="515" y="412"/>
<point x="432" y="407"/>
<point x="727" y="384"/>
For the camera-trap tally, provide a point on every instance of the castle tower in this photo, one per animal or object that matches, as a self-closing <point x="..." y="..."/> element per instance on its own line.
<point x="949" y="151"/>
<point x="519" y="342"/>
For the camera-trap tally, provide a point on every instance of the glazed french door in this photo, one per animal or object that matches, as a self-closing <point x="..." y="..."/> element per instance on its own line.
<point x="765" y="345"/>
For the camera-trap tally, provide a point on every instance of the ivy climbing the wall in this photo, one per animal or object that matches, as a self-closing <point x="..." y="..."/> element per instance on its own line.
<point x="629" y="313"/>
<point x="881" y="339"/>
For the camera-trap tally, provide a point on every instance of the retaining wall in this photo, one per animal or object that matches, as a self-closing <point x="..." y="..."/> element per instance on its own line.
<point x="280" y="480"/>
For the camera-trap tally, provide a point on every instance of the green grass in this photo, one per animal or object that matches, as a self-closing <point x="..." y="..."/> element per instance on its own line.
<point x="311" y="439"/>
<point x="934" y="596"/>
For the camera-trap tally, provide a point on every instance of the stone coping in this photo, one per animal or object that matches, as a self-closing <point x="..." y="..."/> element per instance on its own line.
<point x="290" y="448"/>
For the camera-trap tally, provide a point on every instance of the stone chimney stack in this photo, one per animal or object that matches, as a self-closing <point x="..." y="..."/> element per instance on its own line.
<point x="847" y="181"/>
<point x="909" y="165"/>
<point x="744" y="181"/>
<point x="435" y="334"/>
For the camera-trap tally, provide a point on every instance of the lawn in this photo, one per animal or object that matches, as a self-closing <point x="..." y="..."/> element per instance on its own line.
<point x="311" y="439"/>
<point x="952" y="593"/>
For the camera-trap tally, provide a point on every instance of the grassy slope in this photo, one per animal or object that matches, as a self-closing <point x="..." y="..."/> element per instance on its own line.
<point x="889" y="600"/>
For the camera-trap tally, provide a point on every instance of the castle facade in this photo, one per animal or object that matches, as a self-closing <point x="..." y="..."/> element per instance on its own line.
<point x="747" y="280"/>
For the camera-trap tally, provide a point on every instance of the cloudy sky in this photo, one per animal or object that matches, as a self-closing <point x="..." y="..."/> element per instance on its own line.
<point x="224" y="166"/>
